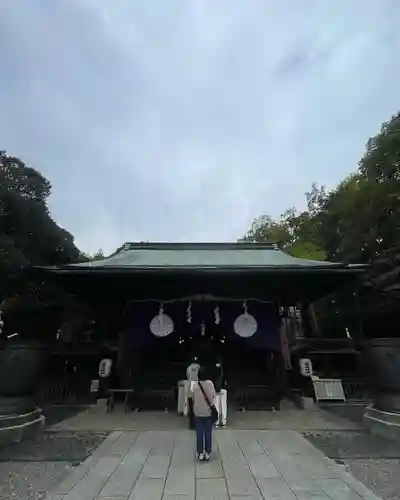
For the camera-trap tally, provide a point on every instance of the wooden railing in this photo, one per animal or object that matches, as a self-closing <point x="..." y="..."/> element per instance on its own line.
<point x="255" y="397"/>
<point x="157" y="399"/>
<point x="65" y="390"/>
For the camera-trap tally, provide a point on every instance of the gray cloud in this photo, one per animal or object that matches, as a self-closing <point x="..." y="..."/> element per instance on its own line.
<point x="184" y="120"/>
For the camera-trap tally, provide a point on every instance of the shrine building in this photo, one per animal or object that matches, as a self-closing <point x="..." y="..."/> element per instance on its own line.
<point x="156" y="305"/>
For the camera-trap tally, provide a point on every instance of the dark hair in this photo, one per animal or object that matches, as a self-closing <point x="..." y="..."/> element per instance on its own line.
<point x="203" y="373"/>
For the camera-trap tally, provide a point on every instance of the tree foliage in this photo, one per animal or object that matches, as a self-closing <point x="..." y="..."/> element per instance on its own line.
<point x="99" y="255"/>
<point x="297" y="233"/>
<point x="28" y="234"/>
<point x="358" y="221"/>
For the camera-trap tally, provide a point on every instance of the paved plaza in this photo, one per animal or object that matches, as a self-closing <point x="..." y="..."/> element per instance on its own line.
<point x="246" y="465"/>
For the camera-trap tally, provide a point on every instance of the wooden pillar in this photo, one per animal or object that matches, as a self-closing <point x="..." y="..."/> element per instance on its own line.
<point x="120" y="356"/>
<point x="313" y="319"/>
<point x="285" y="348"/>
<point x="280" y="363"/>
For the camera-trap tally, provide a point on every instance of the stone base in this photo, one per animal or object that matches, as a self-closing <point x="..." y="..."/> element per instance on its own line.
<point x="100" y="406"/>
<point x="287" y="404"/>
<point x="383" y="423"/>
<point x="16" y="405"/>
<point x="308" y="404"/>
<point x="15" y="428"/>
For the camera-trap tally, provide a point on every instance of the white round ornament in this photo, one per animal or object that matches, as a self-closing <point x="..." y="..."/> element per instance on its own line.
<point x="245" y="325"/>
<point x="161" y="325"/>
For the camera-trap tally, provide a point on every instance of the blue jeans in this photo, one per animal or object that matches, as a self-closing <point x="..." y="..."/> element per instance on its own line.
<point x="203" y="434"/>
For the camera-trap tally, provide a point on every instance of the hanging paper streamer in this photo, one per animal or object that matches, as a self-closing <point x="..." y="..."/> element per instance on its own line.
<point x="216" y="315"/>
<point x="203" y="329"/>
<point x="189" y="313"/>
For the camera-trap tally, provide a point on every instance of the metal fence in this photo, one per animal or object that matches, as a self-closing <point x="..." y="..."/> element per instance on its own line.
<point x="357" y="389"/>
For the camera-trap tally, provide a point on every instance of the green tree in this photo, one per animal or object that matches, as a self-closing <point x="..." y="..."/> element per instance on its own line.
<point x="305" y="237"/>
<point x="28" y="234"/>
<point x="265" y="230"/>
<point x="99" y="255"/>
<point x="360" y="219"/>
<point x="381" y="161"/>
<point x="295" y="233"/>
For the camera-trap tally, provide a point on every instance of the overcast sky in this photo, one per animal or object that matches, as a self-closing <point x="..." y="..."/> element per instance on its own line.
<point x="183" y="120"/>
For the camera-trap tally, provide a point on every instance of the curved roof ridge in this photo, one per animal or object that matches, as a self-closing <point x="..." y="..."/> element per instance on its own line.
<point x="146" y="245"/>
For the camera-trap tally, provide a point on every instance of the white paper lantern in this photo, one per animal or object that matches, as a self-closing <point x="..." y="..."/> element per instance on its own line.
<point x="245" y="325"/>
<point x="161" y="325"/>
<point x="306" y="368"/>
<point x="105" y="367"/>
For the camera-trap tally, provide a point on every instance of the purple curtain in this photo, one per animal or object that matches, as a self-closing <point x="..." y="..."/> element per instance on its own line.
<point x="268" y="321"/>
<point x="139" y="315"/>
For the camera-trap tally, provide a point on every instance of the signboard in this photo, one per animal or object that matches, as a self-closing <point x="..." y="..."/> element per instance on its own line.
<point x="328" y="389"/>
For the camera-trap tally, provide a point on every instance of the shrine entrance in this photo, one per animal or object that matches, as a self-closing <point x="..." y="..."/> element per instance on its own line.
<point x="244" y="335"/>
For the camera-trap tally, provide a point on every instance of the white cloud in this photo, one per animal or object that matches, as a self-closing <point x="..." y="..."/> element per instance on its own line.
<point x="183" y="120"/>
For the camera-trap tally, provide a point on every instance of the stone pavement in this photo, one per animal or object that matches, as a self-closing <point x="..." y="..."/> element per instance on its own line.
<point x="246" y="465"/>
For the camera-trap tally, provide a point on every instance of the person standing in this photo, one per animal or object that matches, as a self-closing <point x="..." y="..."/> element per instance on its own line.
<point x="192" y="375"/>
<point x="221" y="400"/>
<point x="203" y="397"/>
